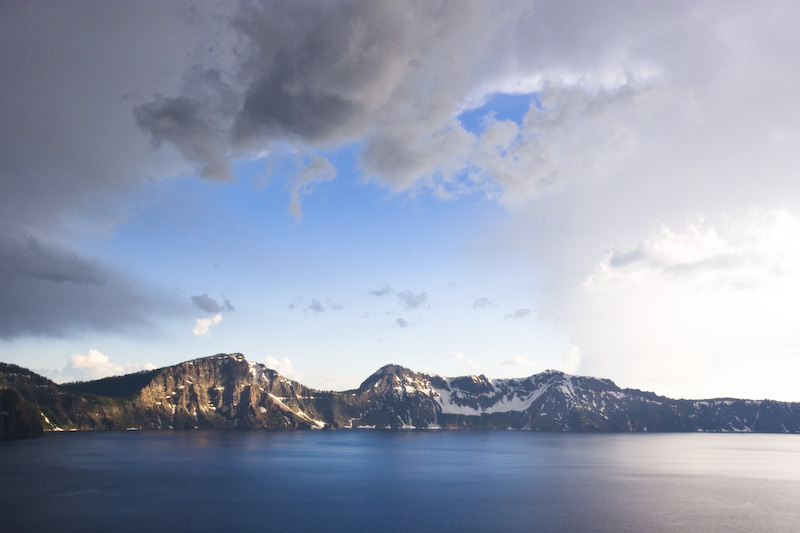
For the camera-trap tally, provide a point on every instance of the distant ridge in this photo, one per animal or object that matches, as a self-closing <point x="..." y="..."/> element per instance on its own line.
<point x="226" y="391"/>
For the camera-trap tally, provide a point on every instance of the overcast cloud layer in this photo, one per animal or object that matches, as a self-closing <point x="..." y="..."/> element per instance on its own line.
<point x="652" y="173"/>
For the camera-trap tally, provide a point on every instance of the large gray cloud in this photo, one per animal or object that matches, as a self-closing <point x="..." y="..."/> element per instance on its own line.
<point x="395" y="77"/>
<point x="72" y="72"/>
<point x="320" y="75"/>
<point x="55" y="292"/>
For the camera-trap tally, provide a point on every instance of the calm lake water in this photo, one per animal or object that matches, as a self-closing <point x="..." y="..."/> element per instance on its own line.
<point x="400" y="481"/>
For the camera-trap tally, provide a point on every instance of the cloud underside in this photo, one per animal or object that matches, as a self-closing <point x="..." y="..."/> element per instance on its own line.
<point x="372" y="73"/>
<point x="49" y="291"/>
<point x="208" y="304"/>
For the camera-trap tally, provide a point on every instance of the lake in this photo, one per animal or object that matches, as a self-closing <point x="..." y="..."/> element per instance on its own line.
<point x="363" y="480"/>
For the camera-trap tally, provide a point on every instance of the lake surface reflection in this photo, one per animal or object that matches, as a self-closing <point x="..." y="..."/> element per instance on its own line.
<point x="400" y="481"/>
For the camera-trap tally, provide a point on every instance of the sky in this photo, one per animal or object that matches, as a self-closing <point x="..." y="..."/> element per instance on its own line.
<point x="499" y="188"/>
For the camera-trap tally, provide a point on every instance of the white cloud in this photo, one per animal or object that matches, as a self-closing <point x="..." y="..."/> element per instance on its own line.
<point x="466" y="362"/>
<point x="572" y="360"/>
<point x="695" y="308"/>
<point x="92" y="365"/>
<point x="759" y="250"/>
<point x="519" y="361"/>
<point x="202" y="325"/>
<point x="283" y="366"/>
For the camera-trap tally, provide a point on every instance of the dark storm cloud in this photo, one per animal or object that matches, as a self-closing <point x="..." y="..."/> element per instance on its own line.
<point x="318" y="74"/>
<point x="54" y="292"/>
<point x="72" y="72"/>
<point x="196" y="122"/>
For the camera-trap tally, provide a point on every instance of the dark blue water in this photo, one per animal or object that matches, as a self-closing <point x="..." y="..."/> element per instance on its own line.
<point x="399" y="481"/>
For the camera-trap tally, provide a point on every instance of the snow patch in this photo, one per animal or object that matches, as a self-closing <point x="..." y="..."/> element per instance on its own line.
<point x="316" y="424"/>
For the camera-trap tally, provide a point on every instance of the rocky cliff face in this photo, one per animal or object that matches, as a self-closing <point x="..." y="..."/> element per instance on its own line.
<point x="226" y="392"/>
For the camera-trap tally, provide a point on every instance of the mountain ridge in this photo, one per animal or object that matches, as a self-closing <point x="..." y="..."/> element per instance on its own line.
<point x="225" y="391"/>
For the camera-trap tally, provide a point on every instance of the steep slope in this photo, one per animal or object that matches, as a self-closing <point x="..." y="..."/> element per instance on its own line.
<point x="224" y="391"/>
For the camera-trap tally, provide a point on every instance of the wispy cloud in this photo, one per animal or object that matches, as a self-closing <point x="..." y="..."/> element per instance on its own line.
<point x="409" y="300"/>
<point x="383" y="291"/>
<point x="314" y="306"/>
<point x="572" y="360"/>
<point x="483" y="303"/>
<point x="519" y="314"/>
<point x="519" y="361"/>
<point x="471" y="364"/>
<point x="318" y="170"/>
